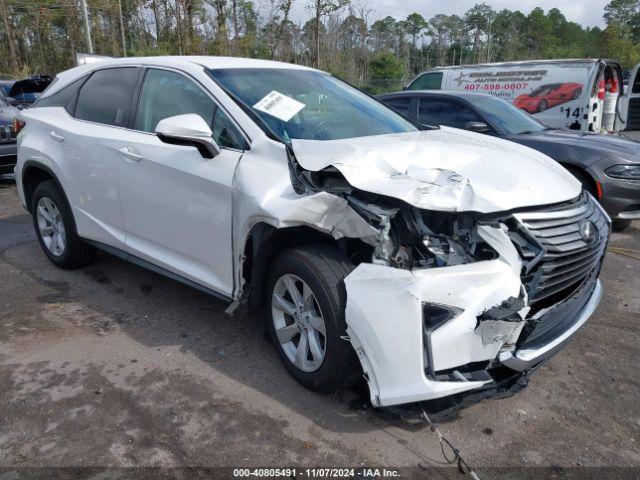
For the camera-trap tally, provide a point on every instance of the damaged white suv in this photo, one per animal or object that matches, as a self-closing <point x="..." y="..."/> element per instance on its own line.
<point x="439" y="263"/>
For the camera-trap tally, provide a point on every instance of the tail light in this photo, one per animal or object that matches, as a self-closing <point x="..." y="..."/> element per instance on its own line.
<point x="601" y="90"/>
<point x="18" y="125"/>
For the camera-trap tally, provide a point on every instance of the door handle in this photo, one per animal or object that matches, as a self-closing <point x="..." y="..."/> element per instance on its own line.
<point x="56" y="136"/>
<point x="130" y="156"/>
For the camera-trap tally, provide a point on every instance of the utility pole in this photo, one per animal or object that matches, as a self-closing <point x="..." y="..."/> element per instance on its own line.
<point x="124" y="43"/>
<point x="87" y="30"/>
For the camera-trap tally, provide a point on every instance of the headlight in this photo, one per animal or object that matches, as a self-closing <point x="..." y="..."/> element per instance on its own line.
<point x="628" y="172"/>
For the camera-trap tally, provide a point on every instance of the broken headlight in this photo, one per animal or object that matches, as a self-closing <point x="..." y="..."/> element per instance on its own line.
<point x="414" y="238"/>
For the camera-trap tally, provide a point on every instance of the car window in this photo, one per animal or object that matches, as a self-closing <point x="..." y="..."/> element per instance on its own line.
<point x="307" y="104"/>
<point x="505" y="116"/>
<point x="401" y="105"/>
<point x="433" y="111"/>
<point x="65" y="97"/>
<point x="166" y="94"/>
<point x="106" y="96"/>
<point x="428" y="81"/>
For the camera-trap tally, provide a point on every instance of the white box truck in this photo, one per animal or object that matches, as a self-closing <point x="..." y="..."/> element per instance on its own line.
<point x="580" y="94"/>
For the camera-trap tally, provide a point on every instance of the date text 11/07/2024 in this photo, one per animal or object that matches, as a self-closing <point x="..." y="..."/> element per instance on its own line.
<point x="362" y="472"/>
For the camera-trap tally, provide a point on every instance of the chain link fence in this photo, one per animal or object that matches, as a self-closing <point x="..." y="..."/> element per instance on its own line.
<point x="385" y="85"/>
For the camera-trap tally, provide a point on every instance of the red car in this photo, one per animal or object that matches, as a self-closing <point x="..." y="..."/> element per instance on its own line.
<point x="547" y="96"/>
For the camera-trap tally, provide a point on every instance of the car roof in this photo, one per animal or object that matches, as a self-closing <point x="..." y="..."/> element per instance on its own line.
<point x="437" y="93"/>
<point x="205" y="61"/>
<point x="210" y="62"/>
<point x="522" y="63"/>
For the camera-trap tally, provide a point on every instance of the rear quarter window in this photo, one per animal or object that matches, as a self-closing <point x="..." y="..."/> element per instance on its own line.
<point x="65" y="97"/>
<point x="106" y="96"/>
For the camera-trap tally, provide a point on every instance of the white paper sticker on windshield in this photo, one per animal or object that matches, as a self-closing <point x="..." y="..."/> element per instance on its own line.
<point x="279" y="106"/>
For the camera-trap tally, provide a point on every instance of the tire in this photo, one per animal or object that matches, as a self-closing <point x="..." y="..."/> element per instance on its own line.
<point x="618" y="225"/>
<point x="542" y="106"/>
<point x="322" y="268"/>
<point x="72" y="252"/>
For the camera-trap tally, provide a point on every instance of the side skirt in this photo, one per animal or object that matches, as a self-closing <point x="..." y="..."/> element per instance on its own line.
<point x="156" y="269"/>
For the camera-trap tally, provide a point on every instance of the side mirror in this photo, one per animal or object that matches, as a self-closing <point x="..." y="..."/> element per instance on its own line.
<point x="478" y="127"/>
<point x="12" y="101"/>
<point x="188" y="129"/>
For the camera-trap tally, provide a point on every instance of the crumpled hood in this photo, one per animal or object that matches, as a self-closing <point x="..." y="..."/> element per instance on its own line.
<point x="445" y="169"/>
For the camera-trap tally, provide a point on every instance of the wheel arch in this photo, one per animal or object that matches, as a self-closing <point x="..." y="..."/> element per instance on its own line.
<point x="581" y="174"/>
<point x="34" y="173"/>
<point x="264" y="242"/>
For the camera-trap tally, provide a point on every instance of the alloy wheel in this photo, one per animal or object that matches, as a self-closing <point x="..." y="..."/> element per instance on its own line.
<point x="51" y="226"/>
<point x="299" y="325"/>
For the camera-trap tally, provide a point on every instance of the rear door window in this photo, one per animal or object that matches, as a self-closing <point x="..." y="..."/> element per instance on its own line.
<point x="428" y="81"/>
<point x="402" y="105"/>
<point x="106" y="96"/>
<point x="445" y="112"/>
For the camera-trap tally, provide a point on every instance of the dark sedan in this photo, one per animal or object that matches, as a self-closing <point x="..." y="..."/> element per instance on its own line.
<point x="607" y="165"/>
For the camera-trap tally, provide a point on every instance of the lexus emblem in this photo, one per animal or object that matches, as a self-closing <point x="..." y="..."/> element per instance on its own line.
<point x="588" y="232"/>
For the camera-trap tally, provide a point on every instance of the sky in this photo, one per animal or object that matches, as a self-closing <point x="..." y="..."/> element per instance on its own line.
<point x="586" y="12"/>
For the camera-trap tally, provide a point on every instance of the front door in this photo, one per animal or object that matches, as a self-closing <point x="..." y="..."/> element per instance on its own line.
<point x="176" y="204"/>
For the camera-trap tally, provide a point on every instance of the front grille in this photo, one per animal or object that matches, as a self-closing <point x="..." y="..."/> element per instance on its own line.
<point x="7" y="134"/>
<point x="557" y="257"/>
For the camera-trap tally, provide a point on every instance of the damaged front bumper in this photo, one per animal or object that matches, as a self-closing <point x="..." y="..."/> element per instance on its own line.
<point x="407" y="358"/>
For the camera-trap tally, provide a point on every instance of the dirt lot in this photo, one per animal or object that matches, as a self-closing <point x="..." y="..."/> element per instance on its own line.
<point x="114" y="366"/>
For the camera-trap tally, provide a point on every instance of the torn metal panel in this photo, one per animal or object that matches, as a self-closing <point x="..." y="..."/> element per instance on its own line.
<point x="263" y="193"/>
<point x="421" y="169"/>
<point x="384" y="314"/>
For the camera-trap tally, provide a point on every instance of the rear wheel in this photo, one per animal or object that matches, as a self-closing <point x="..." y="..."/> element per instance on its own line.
<point x="306" y="299"/>
<point x="55" y="228"/>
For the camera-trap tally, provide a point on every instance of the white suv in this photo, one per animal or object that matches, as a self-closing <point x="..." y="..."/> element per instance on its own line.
<point x="438" y="263"/>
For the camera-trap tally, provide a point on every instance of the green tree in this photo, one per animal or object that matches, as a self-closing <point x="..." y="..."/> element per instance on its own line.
<point x="386" y="73"/>
<point x="623" y="15"/>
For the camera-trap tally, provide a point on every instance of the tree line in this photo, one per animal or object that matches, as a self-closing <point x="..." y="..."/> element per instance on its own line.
<point x="340" y="36"/>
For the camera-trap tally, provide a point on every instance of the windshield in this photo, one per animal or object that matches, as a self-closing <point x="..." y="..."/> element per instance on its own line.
<point x="506" y="117"/>
<point x="310" y="105"/>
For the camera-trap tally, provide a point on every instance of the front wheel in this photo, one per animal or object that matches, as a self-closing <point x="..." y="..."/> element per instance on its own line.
<point x="542" y="106"/>
<point x="306" y="300"/>
<point x="619" y="224"/>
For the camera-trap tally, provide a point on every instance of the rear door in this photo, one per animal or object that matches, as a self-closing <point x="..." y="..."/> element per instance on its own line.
<point x="177" y="204"/>
<point x="403" y="104"/>
<point x="629" y="106"/>
<point x="445" y="111"/>
<point x="90" y="141"/>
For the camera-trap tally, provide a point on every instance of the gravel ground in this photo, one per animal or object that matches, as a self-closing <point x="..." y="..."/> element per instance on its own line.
<point x="114" y="366"/>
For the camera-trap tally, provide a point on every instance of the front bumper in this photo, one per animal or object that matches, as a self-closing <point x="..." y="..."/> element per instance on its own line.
<point x="527" y="358"/>
<point x="8" y="157"/>
<point x="621" y="198"/>
<point x="386" y="326"/>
